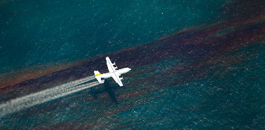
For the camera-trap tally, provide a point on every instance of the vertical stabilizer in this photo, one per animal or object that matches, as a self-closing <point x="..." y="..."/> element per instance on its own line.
<point x="98" y="76"/>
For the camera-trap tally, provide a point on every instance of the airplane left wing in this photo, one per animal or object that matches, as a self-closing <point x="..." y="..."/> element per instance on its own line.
<point x="111" y="66"/>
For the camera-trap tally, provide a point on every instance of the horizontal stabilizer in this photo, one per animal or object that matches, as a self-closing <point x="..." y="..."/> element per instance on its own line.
<point x="98" y="76"/>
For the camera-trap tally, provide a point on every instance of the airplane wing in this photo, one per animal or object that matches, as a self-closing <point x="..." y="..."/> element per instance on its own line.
<point x="111" y="66"/>
<point x="117" y="78"/>
<point x="112" y="70"/>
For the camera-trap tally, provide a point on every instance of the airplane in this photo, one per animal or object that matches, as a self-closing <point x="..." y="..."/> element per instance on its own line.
<point x="114" y="72"/>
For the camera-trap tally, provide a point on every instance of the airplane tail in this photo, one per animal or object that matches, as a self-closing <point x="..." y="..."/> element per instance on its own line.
<point x="98" y="76"/>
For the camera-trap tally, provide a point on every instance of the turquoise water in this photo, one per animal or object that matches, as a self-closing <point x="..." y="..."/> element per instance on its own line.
<point x="37" y="32"/>
<point x="206" y="71"/>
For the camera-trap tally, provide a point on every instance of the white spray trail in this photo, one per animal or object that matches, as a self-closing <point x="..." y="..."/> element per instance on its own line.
<point x="27" y="101"/>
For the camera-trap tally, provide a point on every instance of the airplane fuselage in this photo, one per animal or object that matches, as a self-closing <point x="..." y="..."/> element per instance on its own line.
<point x="111" y="74"/>
<point x="122" y="71"/>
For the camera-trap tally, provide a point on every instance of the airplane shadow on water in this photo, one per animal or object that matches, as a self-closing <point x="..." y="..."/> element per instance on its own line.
<point x="109" y="88"/>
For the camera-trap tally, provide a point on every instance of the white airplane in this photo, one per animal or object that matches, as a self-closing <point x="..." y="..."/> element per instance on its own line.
<point x="114" y="72"/>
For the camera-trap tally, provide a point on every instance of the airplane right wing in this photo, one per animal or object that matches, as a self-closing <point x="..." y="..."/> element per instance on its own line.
<point x="117" y="78"/>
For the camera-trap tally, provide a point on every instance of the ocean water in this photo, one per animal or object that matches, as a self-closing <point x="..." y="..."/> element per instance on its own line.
<point x="38" y="32"/>
<point x="195" y="64"/>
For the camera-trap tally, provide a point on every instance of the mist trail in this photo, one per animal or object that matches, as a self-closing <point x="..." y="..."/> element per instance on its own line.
<point x="27" y="101"/>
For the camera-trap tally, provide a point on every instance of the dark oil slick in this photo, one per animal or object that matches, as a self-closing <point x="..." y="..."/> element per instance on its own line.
<point x="209" y="76"/>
